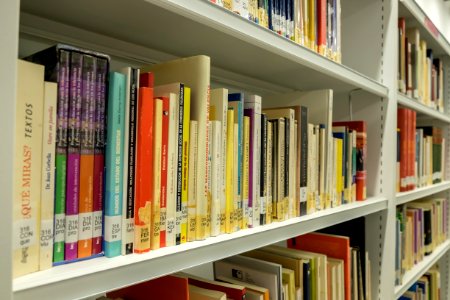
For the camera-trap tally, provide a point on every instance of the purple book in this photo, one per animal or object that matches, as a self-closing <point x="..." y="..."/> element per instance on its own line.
<point x="73" y="157"/>
<point x="249" y="112"/>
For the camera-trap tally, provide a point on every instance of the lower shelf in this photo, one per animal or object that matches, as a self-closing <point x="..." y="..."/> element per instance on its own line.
<point x="418" y="270"/>
<point x="92" y="277"/>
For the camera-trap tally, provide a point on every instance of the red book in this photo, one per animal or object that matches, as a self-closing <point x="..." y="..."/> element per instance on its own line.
<point x="334" y="246"/>
<point x="146" y="80"/>
<point x="412" y="147"/>
<point x="144" y="177"/>
<point x="361" y="155"/>
<point x="168" y="288"/>
<point x="164" y="163"/>
<point x="402" y="116"/>
<point x="322" y="26"/>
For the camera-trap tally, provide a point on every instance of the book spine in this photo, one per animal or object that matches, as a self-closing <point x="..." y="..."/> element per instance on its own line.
<point x="361" y="173"/>
<point x="281" y="169"/>
<point x="322" y="175"/>
<point x="114" y="165"/>
<point x="192" y="186"/>
<point x="245" y="171"/>
<point x="185" y="171"/>
<point x="229" y="172"/>
<point x="73" y="157"/>
<point x="236" y="193"/>
<point x="303" y="158"/>
<point x="216" y="170"/>
<point x="180" y="164"/>
<point x="322" y="26"/>
<point x="48" y="175"/>
<point x="27" y="167"/>
<point x="263" y="171"/>
<point x="172" y="172"/>
<point x="156" y="187"/>
<point x="99" y="155"/>
<point x="288" y="205"/>
<point x="269" y="155"/>
<point x="130" y="167"/>
<point x="251" y="180"/>
<point x="144" y="173"/>
<point x="61" y="155"/>
<point x="164" y="171"/>
<point x="86" y="199"/>
<point x="207" y="221"/>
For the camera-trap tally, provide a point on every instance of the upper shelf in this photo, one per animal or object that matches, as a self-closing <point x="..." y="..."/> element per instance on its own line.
<point x="91" y="277"/>
<point x="421" y="108"/>
<point x="405" y="197"/>
<point x="416" y="17"/>
<point x="191" y="27"/>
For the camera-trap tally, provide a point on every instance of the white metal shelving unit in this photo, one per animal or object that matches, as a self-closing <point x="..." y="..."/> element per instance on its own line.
<point x="244" y="56"/>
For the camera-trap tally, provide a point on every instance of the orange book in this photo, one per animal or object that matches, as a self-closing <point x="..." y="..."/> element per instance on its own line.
<point x="164" y="164"/>
<point x="168" y="288"/>
<point x="334" y="246"/>
<point x="144" y="178"/>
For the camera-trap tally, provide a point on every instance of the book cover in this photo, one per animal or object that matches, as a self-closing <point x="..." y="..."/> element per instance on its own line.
<point x="192" y="187"/>
<point x="48" y="176"/>
<point x="114" y="165"/>
<point x="99" y="154"/>
<point x="27" y="167"/>
<point x="156" y="186"/>
<point x="73" y="157"/>
<point x="233" y="291"/>
<point x="144" y="163"/>
<point x="197" y="293"/>
<point x="195" y="73"/>
<point x="252" y="291"/>
<point x="86" y="196"/>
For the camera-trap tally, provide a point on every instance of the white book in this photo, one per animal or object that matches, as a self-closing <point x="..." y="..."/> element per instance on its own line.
<point x="192" y="182"/>
<point x="216" y="176"/>
<point x="48" y="175"/>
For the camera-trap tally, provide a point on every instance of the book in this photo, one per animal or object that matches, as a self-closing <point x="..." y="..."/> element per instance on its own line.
<point x="86" y="196"/>
<point x="229" y="204"/>
<point x="130" y="138"/>
<point x="197" y="293"/>
<point x="48" y="176"/>
<point x="156" y="186"/>
<point x="245" y="171"/>
<point x="114" y="165"/>
<point x="144" y="162"/>
<point x="27" y="167"/>
<point x="164" y="170"/>
<point x="216" y="176"/>
<point x="218" y="111"/>
<point x="233" y="291"/>
<point x="73" y="157"/>
<point x="195" y="73"/>
<point x="252" y="291"/>
<point x="99" y="154"/>
<point x="192" y="187"/>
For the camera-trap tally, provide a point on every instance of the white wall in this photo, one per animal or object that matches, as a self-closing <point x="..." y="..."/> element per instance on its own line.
<point x="439" y="12"/>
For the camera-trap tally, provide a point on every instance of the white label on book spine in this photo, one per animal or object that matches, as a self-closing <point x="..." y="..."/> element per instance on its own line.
<point x="263" y="205"/>
<point x="72" y="229"/>
<point x="46" y="237"/>
<point x="113" y="228"/>
<point x="171" y="226"/>
<point x="60" y="227"/>
<point x="85" y="223"/>
<point x="24" y="233"/>
<point x="303" y="193"/>
<point x="98" y="228"/>
<point x="129" y="231"/>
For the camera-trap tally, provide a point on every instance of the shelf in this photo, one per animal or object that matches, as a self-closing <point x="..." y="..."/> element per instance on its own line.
<point x="418" y="270"/>
<point x="416" y="17"/>
<point x="405" y="197"/>
<point x="421" y="108"/>
<point x="191" y="27"/>
<point x="102" y="274"/>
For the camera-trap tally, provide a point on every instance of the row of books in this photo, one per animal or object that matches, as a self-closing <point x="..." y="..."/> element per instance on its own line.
<point x="138" y="160"/>
<point x="315" y="24"/>
<point x="420" y="74"/>
<point x="421" y="227"/>
<point x="428" y="287"/>
<point x="420" y="152"/>
<point x="313" y="266"/>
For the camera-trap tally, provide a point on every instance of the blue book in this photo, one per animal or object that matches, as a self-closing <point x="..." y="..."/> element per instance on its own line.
<point x="236" y="101"/>
<point x="114" y="165"/>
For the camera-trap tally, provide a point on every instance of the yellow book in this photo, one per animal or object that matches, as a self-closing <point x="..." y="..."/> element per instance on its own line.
<point x="312" y="24"/>
<point x="157" y="148"/>
<point x="236" y="220"/>
<point x="205" y="217"/>
<point x="192" y="187"/>
<point x="245" y="167"/>
<point x="229" y="173"/>
<point x="27" y="167"/>
<point x="228" y="4"/>
<point x="289" y="279"/>
<point x="185" y="169"/>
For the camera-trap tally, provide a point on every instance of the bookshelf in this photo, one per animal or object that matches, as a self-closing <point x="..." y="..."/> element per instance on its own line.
<point x="405" y="197"/>
<point x="421" y="109"/>
<point x="245" y="57"/>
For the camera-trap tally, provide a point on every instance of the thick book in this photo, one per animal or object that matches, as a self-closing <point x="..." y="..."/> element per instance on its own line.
<point x="99" y="154"/>
<point x="218" y="111"/>
<point x="129" y="175"/>
<point x="195" y="73"/>
<point x="73" y="157"/>
<point x="86" y="196"/>
<point x="48" y="176"/>
<point x="27" y="167"/>
<point x="361" y="155"/>
<point x="144" y="163"/>
<point x="114" y="165"/>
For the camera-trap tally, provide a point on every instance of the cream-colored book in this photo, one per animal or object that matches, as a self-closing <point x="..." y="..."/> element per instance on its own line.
<point x="216" y="176"/>
<point x="288" y="278"/>
<point x="245" y="170"/>
<point x="269" y="172"/>
<point x="194" y="72"/>
<point x="229" y="205"/>
<point x="197" y="293"/>
<point x="27" y="167"/>
<point x="48" y="176"/>
<point x="156" y="201"/>
<point x="192" y="180"/>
